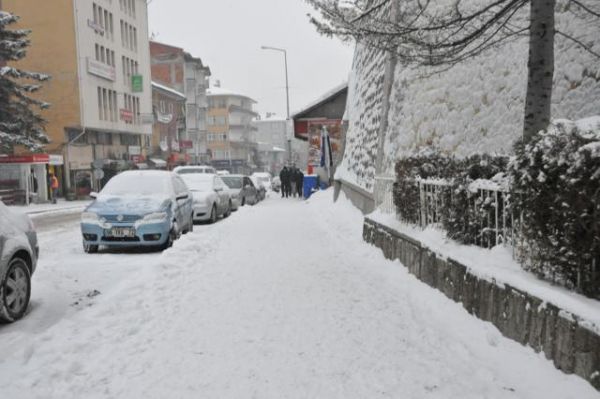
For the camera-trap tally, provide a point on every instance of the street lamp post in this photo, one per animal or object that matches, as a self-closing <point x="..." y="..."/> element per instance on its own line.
<point x="287" y="94"/>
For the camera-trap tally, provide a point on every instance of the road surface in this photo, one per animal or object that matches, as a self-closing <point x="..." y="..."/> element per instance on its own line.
<point x="280" y="300"/>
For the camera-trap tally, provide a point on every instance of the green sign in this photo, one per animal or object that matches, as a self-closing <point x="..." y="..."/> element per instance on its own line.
<point x="137" y="83"/>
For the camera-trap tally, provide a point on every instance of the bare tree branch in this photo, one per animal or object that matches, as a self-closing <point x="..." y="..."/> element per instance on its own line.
<point x="586" y="8"/>
<point x="579" y="43"/>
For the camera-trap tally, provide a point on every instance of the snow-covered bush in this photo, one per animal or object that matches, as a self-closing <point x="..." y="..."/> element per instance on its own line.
<point x="557" y="178"/>
<point x="469" y="218"/>
<point x="426" y="164"/>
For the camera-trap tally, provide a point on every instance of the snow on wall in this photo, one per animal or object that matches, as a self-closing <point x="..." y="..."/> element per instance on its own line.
<point x="363" y="112"/>
<point x="476" y="106"/>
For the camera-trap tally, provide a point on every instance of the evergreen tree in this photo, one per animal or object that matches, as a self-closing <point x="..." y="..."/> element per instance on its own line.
<point x="20" y="122"/>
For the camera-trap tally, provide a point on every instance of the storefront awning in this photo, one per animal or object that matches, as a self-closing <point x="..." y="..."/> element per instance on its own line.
<point x="34" y="158"/>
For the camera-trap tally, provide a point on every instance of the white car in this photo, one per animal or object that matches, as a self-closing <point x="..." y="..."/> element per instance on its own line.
<point x="184" y="170"/>
<point x="211" y="196"/>
<point x="263" y="178"/>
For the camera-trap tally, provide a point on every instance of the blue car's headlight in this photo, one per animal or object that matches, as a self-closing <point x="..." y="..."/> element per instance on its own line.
<point x="155" y="217"/>
<point x="89" y="217"/>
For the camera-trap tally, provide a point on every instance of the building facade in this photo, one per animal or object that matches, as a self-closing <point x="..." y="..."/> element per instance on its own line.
<point x="231" y="135"/>
<point x="272" y="138"/>
<point x="168" y="131"/>
<point x="97" y="54"/>
<point x="173" y="67"/>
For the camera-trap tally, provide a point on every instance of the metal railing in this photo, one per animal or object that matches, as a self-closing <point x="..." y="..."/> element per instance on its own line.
<point x="490" y="219"/>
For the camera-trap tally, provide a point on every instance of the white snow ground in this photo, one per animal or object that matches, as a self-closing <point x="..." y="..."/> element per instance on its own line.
<point x="281" y="300"/>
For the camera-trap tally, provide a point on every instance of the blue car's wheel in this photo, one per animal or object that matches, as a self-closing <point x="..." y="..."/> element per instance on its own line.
<point x="90" y="249"/>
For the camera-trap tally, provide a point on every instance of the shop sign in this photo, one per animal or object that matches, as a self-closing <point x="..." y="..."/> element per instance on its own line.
<point x="56" y="160"/>
<point x="137" y="83"/>
<point x="147" y="119"/>
<point x="98" y="174"/>
<point x="126" y="115"/>
<point x="164" y="118"/>
<point x="101" y="70"/>
<point x="186" y="144"/>
<point x="96" y="27"/>
<point x="34" y="158"/>
<point x="135" y="150"/>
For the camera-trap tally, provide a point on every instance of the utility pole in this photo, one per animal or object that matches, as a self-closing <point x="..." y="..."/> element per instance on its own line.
<point x="287" y="96"/>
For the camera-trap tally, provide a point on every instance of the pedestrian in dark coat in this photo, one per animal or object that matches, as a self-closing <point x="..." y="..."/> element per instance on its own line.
<point x="299" y="182"/>
<point x="284" y="176"/>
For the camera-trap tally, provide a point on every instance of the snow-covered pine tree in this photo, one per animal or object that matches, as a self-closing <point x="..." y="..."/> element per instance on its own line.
<point x="20" y="121"/>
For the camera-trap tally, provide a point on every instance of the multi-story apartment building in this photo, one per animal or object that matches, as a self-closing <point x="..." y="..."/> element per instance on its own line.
<point x="272" y="135"/>
<point x="168" y="128"/>
<point x="173" y="67"/>
<point x="98" y="56"/>
<point x="231" y="136"/>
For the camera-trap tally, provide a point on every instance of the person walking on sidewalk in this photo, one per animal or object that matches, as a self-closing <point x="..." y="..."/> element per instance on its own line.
<point x="299" y="182"/>
<point x="53" y="187"/>
<point x="284" y="176"/>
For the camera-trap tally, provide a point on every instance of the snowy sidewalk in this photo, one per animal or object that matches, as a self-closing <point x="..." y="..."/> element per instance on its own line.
<point x="281" y="300"/>
<point x="60" y="206"/>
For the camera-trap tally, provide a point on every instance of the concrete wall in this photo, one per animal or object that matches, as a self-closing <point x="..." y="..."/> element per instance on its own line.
<point x="573" y="348"/>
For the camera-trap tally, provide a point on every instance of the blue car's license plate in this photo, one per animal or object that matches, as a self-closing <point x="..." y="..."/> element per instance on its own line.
<point x="121" y="232"/>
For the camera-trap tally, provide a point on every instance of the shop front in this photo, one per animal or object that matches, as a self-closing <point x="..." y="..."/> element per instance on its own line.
<point x="24" y="178"/>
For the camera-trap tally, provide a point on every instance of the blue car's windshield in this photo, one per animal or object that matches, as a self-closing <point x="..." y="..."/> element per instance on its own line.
<point x="139" y="184"/>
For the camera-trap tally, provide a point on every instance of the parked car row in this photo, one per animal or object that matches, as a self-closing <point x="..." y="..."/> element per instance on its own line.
<point x="154" y="208"/>
<point x="142" y="208"/>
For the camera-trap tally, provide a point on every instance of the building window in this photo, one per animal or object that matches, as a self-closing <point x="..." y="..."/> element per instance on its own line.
<point x="81" y="138"/>
<point x="100" y="107"/>
<point x="130" y="139"/>
<point x="111" y="28"/>
<point x="135" y="39"/>
<point x="104" y="138"/>
<point x="105" y="103"/>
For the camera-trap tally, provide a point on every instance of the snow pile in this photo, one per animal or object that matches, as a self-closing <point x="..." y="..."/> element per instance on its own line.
<point x="280" y="300"/>
<point x="363" y="112"/>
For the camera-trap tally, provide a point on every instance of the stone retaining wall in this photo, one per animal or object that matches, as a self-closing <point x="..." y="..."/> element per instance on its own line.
<point x="518" y="315"/>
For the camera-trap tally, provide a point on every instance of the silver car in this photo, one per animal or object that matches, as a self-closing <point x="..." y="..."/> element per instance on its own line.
<point x="18" y="258"/>
<point x="211" y="197"/>
<point x="242" y="189"/>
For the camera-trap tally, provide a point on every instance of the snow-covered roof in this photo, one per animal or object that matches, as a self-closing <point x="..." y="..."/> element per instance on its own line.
<point x="168" y="89"/>
<point x="220" y="91"/>
<point x="323" y="98"/>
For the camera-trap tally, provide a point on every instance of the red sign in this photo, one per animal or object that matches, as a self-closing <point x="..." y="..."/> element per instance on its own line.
<point x="34" y="158"/>
<point x="126" y="115"/>
<point x="185" y="144"/>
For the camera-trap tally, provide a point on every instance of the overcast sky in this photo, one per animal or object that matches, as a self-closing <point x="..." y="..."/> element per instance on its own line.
<point x="227" y="35"/>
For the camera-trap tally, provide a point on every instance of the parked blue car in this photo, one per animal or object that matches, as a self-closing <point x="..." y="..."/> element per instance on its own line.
<point x="138" y="209"/>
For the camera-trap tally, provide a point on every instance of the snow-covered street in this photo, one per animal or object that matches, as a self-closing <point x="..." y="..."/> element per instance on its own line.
<point x="280" y="300"/>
